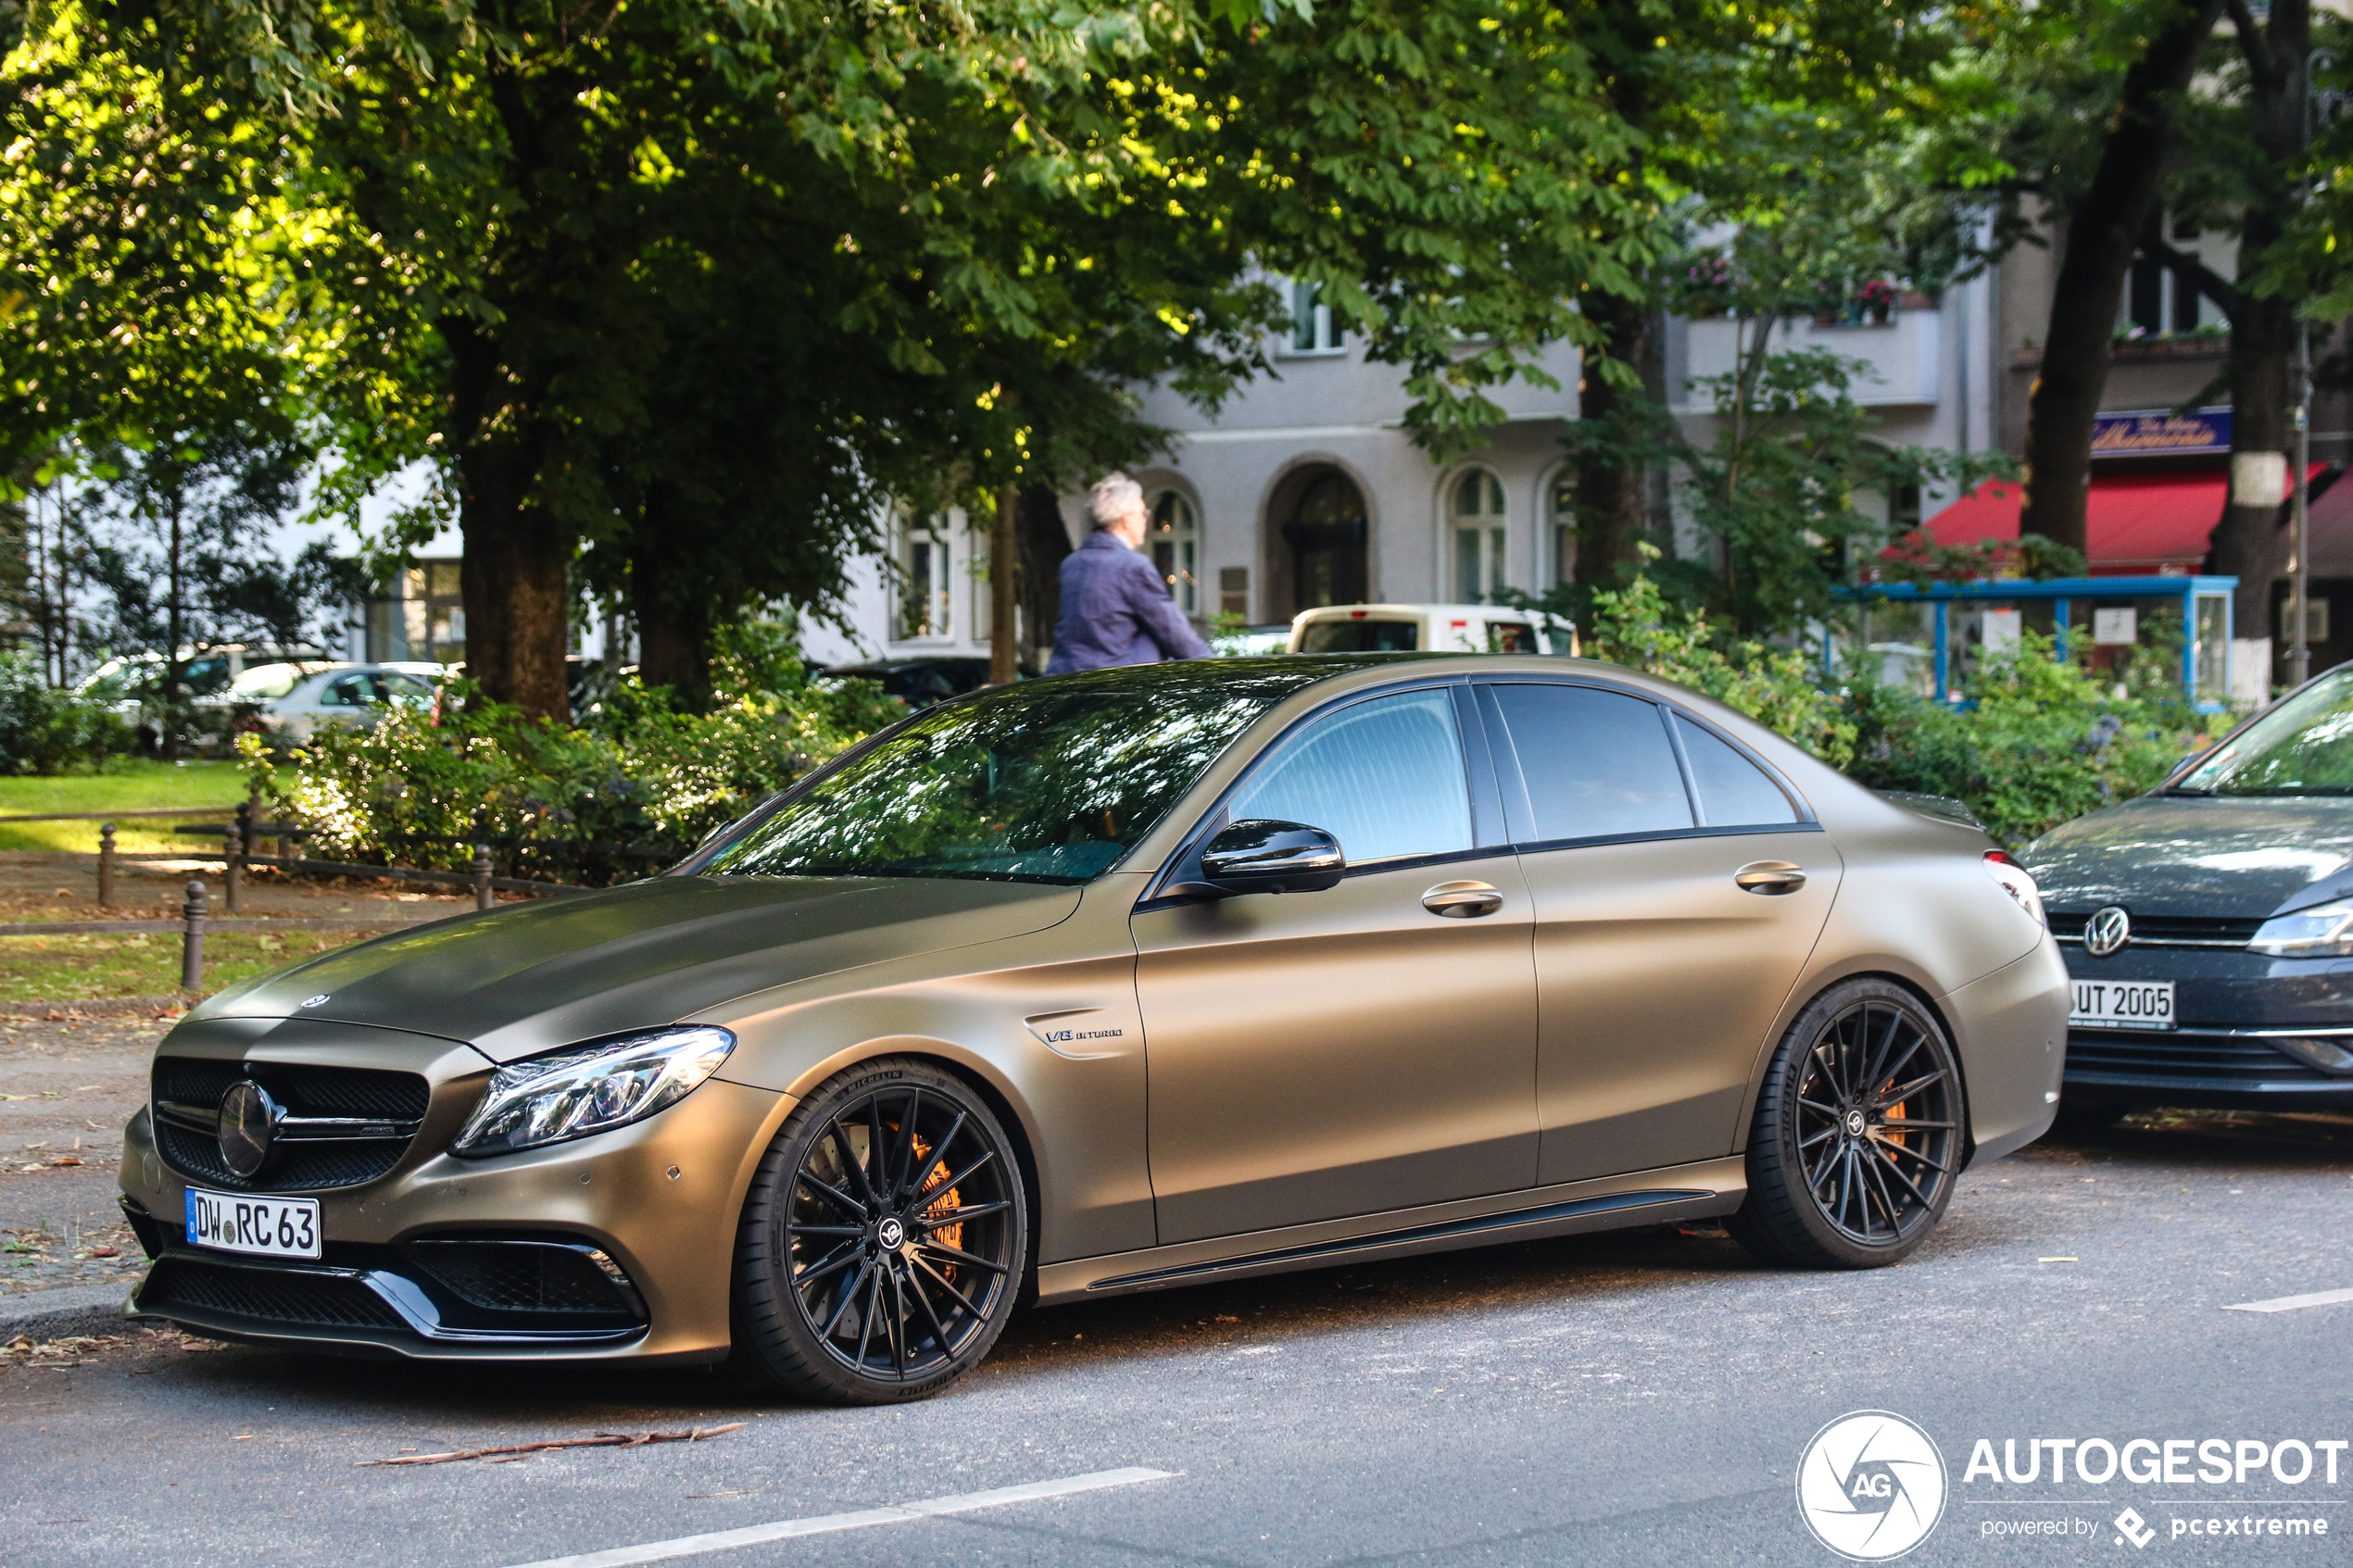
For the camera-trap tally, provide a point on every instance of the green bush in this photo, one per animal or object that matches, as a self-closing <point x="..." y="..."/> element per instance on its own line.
<point x="1780" y="689"/>
<point x="566" y="803"/>
<point x="2043" y="741"/>
<point x="45" y="730"/>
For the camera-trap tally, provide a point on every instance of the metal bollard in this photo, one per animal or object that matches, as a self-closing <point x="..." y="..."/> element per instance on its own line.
<point x="106" y="865"/>
<point x="191" y="940"/>
<point x="482" y="876"/>
<point x="232" y="869"/>
<point x="250" y="812"/>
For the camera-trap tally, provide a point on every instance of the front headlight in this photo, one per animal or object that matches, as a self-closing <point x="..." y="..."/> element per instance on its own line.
<point x="585" y="1089"/>
<point x="2325" y="931"/>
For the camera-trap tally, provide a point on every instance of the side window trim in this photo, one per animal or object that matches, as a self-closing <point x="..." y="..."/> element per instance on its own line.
<point x="1519" y="809"/>
<point x="1488" y="828"/>
<point x="1185" y="864"/>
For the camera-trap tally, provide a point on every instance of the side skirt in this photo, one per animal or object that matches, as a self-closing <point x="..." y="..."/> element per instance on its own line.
<point x="1679" y="1192"/>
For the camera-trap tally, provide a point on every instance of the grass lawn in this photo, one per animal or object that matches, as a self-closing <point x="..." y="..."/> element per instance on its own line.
<point x="80" y="968"/>
<point x="128" y="785"/>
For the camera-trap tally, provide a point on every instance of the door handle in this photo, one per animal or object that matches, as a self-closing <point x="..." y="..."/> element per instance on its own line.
<point x="1462" y="900"/>
<point x="1769" y="877"/>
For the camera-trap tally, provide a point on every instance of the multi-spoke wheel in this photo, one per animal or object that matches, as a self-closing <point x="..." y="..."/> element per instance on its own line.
<point x="883" y="1239"/>
<point x="1858" y="1136"/>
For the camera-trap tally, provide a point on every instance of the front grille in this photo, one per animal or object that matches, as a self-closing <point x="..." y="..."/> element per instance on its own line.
<point x="265" y="1296"/>
<point x="2158" y="931"/>
<point x="300" y="1167"/>
<point x="520" y="1276"/>
<point x="197" y="1085"/>
<point x="2220" y="1059"/>
<point x="303" y="1089"/>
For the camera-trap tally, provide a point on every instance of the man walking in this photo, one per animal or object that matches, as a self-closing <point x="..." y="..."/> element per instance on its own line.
<point x="1115" y="608"/>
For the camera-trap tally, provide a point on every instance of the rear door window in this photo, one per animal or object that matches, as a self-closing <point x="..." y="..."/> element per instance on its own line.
<point x="1733" y="791"/>
<point x="1597" y="763"/>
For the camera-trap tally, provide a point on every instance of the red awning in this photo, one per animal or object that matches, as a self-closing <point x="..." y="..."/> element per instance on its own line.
<point x="2139" y="523"/>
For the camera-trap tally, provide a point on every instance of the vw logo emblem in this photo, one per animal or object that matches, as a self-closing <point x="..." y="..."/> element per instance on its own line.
<point x="891" y="1234"/>
<point x="2105" y="933"/>
<point x="248" y="1127"/>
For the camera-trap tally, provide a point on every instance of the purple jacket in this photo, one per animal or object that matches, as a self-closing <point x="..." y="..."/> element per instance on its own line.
<point x="1116" y="610"/>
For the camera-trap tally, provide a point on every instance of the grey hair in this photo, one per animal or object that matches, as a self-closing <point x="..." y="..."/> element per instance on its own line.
<point x="1113" y="498"/>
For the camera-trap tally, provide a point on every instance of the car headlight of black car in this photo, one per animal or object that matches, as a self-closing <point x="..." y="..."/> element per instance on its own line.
<point x="585" y="1089"/>
<point x="2325" y="931"/>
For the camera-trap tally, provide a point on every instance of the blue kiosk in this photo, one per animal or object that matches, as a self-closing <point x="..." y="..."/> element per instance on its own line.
<point x="1931" y="637"/>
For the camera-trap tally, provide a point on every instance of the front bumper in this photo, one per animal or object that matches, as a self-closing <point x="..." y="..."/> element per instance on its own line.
<point x="650" y="1209"/>
<point x="2231" y="1009"/>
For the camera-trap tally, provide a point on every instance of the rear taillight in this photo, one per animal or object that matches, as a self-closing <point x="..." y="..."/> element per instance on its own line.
<point x="2018" y="884"/>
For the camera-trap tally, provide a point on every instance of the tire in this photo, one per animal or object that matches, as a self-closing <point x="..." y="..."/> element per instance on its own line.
<point x="822" y="1308"/>
<point x="1829" y="1185"/>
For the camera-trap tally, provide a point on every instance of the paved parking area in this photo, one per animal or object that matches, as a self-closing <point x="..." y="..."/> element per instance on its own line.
<point x="1638" y="1399"/>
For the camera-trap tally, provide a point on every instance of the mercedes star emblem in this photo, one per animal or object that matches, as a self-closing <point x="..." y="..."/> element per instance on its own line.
<point x="248" y="1127"/>
<point x="2107" y="932"/>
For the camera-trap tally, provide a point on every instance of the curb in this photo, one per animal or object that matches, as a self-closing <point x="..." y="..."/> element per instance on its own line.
<point x="53" y="1314"/>
<point x="99" y="1006"/>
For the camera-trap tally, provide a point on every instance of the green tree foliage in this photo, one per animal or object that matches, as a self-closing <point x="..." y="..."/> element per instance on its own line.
<point x="46" y="730"/>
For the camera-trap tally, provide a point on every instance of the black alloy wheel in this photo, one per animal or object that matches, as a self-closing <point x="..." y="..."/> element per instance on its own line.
<point x="883" y="1241"/>
<point x="1857" y="1139"/>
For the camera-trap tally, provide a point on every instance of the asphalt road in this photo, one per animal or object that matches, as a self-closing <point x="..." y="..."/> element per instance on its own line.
<point x="1636" y="1399"/>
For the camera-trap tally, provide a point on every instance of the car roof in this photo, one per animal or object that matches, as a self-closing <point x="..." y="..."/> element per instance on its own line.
<point x="1351" y="612"/>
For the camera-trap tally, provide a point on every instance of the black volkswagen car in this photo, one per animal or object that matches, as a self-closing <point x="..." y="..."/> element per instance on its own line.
<point x="2208" y="924"/>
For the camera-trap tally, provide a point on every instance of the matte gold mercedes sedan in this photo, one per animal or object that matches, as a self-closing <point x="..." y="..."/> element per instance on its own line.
<point x="1112" y="981"/>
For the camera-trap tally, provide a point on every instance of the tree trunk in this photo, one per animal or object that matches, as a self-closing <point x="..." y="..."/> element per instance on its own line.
<point x="175" y="667"/>
<point x="1610" y="478"/>
<point x="2263" y="386"/>
<point x="674" y="645"/>
<point x="516" y="579"/>
<point x="2102" y="235"/>
<point x="1043" y="544"/>
<point x="1004" y="630"/>
<point x="516" y="582"/>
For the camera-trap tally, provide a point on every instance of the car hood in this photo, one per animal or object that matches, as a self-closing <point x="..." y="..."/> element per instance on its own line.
<point x="530" y="977"/>
<point x="2221" y="857"/>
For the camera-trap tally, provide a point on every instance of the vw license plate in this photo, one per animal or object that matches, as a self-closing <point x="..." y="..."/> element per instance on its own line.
<point x="2122" y="1004"/>
<point x="276" y="1227"/>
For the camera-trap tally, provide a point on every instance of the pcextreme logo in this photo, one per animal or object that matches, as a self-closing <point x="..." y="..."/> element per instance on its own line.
<point x="1871" y="1486"/>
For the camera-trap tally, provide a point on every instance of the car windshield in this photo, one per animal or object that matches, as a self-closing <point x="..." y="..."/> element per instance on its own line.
<point x="267" y="681"/>
<point x="1029" y="783"/>
<point x="2303" y="747"/>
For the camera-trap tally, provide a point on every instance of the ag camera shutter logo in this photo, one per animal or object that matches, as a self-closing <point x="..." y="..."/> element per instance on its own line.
<point x="1871" y="1486"/>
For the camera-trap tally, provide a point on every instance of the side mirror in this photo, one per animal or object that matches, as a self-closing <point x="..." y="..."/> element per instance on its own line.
<point x="1259" y="856"/>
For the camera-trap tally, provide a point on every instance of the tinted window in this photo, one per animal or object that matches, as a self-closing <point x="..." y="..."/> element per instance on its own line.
<point x="1045" y="782"/>
<point x="1596" y="762"/>
<point x="1733" y="791"/>
<point x="1385" y="777"/>
<point x="1360" y="636"/>
<point x="1510" y="636"/>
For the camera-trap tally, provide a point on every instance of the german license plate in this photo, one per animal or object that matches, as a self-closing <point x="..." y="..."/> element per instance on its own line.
<point x="2122" y="1004"/>
<point x="275" y="1227"/>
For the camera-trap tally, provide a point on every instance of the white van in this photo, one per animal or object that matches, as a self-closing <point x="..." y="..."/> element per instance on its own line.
<point x="1431" y="628"/>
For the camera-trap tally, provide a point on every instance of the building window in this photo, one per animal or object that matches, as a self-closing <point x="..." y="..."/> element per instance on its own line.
<point x="1560" y="508"/>
<point x="421" y="617"/>
<point x="1479" y="535"/>
<point x="1175" y="546"/>
<point x="1233" y="591"/>
<point x="926" y="605"/>
<point x="1312" y="328"/>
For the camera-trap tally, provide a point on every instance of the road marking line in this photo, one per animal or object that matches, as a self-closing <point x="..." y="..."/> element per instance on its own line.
<point x="2290" y="1303"/>
<point x="825" y="1524"/>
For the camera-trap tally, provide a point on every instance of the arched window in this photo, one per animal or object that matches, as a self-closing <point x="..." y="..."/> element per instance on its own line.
<point x="1175" y="546"/>
<point x="1560" y="519"/>
<point x="1478" y="537"/>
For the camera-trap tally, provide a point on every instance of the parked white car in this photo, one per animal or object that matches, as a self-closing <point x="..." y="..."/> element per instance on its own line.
<point x="291" y="700"/>
<point x="1429" y="628"/>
